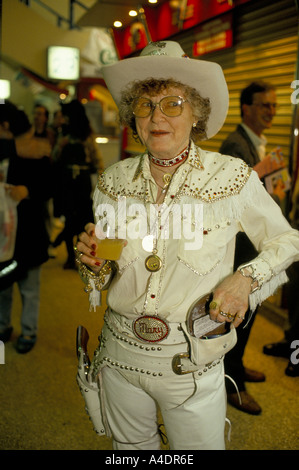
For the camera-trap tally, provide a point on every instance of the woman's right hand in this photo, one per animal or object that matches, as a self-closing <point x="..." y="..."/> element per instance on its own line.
<point x="87" y="245"/>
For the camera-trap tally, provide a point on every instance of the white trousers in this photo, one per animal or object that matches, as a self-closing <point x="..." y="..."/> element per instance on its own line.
<point x="193" y="410"/>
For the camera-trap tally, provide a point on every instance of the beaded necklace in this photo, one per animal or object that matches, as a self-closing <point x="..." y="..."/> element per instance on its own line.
<point x="174" y="161"/>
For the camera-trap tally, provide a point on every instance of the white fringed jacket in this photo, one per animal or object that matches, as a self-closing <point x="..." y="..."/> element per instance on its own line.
<point x="230" y="198"/>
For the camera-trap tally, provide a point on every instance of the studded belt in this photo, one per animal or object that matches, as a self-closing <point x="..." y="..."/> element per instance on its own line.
<point x="121" y="350"/>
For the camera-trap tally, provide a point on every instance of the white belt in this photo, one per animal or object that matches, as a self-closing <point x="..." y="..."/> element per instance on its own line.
<point x="121" y="350"/>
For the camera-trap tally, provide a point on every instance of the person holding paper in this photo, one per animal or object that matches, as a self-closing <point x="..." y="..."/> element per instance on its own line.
<point x="258" y="106"/>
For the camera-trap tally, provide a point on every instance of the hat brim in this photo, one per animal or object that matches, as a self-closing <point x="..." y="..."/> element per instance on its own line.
<point x="206" y="77"/>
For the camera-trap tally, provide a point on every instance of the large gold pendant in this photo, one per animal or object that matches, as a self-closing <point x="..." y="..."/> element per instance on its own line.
<point x="151" y="329"/>
<point x="153" y="263"/>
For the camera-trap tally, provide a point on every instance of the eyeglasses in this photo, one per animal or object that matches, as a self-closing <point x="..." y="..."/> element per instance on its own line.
<point x="171" y="106"/>
<point x="267" y="106"/>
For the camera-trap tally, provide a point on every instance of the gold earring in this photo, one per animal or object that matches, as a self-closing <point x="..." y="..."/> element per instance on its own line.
<point x="194" y="124"/>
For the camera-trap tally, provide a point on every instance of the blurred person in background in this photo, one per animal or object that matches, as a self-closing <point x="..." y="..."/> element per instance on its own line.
<point x="41" y="124"/>
<point x="29" y="183"/>
<point x="58" y="124"/>
<point x="60" y="129"/>
<point x="43" y="130"/>
<point x="76" y="159"/>
<point x="258" y="108"/>
<point x="287" y="345"/>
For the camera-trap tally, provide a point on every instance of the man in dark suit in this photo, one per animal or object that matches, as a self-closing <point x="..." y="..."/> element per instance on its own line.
<point x="258" y="107"/>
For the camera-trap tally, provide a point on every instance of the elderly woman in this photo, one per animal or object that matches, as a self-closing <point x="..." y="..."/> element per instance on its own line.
<point x="179" y="209"/>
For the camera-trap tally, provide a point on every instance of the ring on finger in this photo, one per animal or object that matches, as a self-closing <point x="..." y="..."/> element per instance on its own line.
<point x="240" y="316"/>
<point x="213" y="305"/>
<point x="221" y="321"/>
<point x="223" y="314"/>
<point x="228" y="315"/>
<point x="78" y="253"/>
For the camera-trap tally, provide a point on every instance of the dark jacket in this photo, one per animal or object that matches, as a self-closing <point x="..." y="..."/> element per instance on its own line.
<point x="32" y="239"/>
<point x="238" y="144"/>
<point x="73" y="185"/>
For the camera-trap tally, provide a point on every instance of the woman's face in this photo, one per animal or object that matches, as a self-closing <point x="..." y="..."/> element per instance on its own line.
<point x="164" y="136"/>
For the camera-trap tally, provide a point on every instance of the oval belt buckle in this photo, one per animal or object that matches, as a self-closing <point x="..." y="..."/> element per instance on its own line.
<point x="151" y="329"/>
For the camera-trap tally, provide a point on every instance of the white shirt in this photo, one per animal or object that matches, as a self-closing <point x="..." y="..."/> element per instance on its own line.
<point x="232" y="198"/>
<point x="259" y="142"/>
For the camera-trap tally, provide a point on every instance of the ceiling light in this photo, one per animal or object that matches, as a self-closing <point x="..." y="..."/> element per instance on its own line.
<point x="117" y="24"/>
<point x="133" y="13"/>
<point x="152" y="1"/>
<point x="102" y="140"/>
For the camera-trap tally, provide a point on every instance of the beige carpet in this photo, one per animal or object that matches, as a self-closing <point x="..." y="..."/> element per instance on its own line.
<point x="41" y="407"/>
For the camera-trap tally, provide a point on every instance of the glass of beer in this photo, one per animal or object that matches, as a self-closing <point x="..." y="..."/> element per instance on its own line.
<point x="110" y="248"/>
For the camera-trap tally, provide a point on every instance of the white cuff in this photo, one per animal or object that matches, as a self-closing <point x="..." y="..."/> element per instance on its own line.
<point x="268" y="288"/>
<point x="259" y="271"/>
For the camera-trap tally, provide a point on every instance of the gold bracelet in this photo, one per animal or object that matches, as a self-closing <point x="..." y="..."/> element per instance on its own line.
<point x="87" y="275"/>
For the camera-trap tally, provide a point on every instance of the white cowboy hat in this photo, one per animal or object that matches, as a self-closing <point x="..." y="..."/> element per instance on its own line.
<point x="166" y="59"/>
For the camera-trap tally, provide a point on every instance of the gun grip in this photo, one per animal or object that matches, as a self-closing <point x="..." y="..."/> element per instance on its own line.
<point x="82" y="340"/>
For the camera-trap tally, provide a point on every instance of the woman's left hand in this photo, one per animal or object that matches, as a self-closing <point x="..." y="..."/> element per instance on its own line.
<point x="230" y="299"/>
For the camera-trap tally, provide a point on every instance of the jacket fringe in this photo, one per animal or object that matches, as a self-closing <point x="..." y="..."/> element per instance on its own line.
<point x="266" y="290"/>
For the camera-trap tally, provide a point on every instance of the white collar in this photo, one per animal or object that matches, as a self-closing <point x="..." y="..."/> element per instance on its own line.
<point x="259" y="142"/>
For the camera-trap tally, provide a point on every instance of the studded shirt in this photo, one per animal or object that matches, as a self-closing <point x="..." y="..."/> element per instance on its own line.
<point x="210" y="198"/>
